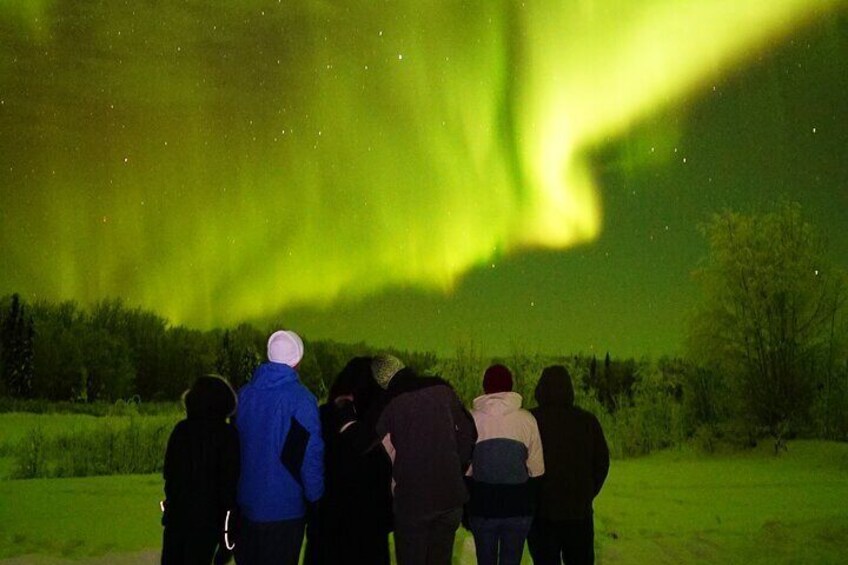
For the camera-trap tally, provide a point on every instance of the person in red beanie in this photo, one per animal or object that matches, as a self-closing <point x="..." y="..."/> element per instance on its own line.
<point x="507" y="457"/>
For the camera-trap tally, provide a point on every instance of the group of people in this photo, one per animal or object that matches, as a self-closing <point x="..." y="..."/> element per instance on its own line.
<point x="390" y="451"/>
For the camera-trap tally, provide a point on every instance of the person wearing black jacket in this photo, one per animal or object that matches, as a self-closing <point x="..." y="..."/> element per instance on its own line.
<point x="201" y="473"/>
<point x="351" y="523"/>
<point x="576" y="466"/>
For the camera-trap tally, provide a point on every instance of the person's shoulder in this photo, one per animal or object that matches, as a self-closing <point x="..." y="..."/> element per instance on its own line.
<point x="302" y="393"/>
<point x="586" y="416"/>
<point x="244" y="389"/>
<point x="525" y="416"/>
<point x="181" y="427"/>
<point x="409" y="385"/>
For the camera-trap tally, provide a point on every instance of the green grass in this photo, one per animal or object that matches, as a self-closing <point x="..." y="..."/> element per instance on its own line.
<point x="671" y="507"/>
<point x="752" y="507"/>
<point x="15" y="426"/>
<point x="49" y="445"/>
<point x="80" y="517"/>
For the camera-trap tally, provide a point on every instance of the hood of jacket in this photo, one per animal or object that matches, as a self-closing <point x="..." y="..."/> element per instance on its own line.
<point x="406" y="380"/>
<point x="555" y="388"/>
<point x="210" y="398"/>
<point x="498" y="403"/>
<point x="273" y="375"/>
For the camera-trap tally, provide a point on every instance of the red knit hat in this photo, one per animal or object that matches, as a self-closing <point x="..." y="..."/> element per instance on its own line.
<point x="497" y="379"/>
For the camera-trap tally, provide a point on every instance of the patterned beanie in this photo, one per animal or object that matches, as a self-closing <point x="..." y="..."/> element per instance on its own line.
<point x="384" y="367"/>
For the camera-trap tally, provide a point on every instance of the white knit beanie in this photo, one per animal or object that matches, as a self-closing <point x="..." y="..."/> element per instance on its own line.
<point x="285" y="347"/>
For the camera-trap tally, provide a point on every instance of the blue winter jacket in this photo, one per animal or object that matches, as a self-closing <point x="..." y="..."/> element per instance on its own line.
<point x="282" y="453"/>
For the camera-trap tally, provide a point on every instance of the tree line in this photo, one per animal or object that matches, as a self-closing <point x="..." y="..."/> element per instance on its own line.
<point x="766" y="351"/>
<point x="64" y="351"/>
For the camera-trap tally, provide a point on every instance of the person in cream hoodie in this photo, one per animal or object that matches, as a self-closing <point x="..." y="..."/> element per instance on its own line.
<point x="506" y="464"/>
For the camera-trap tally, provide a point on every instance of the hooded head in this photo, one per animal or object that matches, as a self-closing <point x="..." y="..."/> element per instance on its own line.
<point x="210" y="398"/>
<point x="555" y="388"/>
<point x="497" y="379"/>
<point x="285" y="347"/>
<point x="384" y="368"/>
<point x="356" y="379"/>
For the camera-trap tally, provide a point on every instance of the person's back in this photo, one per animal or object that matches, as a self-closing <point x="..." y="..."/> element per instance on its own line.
<point x="276" y="413"/>
<point x="507" y="457"/>
<point x="201" y="471"/>
<point x="424" y="447"/>
<point x="354" y="518"/>
<point x="282" y="466"/>
<point x="576" y="466"/>
<point x="430" y="437"/>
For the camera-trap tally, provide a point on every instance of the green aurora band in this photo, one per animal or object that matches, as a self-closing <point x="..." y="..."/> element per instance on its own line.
<point x="221" y="161"/>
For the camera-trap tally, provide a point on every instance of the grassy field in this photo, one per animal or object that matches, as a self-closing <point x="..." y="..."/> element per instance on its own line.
<point x="672" y="507"/>
<point x="750" y="507"/>
<point x="17" y="427"/>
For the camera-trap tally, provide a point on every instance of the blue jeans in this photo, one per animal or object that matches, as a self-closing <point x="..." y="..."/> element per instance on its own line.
<point x="500" y="541"/>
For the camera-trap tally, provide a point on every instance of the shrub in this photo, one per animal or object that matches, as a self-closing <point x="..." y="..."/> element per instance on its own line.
<point x="30" y="458"/>
<point x="651" y="420"/>
<point x="117" y="446"/>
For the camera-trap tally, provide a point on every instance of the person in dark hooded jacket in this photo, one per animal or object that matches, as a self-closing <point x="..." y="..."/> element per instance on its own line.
<point x="352" y="523"/>
<point x="429" y="437"/>
<point x="201" y="473"/>
<point x="576" y="466"/>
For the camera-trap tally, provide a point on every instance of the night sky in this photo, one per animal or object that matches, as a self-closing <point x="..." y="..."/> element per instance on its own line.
<point x="526" y="175"/>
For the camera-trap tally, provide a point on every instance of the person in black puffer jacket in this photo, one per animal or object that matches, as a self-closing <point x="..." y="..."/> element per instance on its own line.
<point x="576" y="466"/>
<point x="352" y="522"/>
<point x="201" y="473"/>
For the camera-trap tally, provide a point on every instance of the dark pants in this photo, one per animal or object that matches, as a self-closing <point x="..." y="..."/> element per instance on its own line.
<point x="500" y="541"/>
<point x="571" y="540"/>
<point x="426" y="540"/>
<point x="188" y="546"/>
<point x="269" y="543"/>
<point x="346" y="544"/>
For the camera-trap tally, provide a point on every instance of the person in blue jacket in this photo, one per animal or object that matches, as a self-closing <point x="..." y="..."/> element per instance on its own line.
<point x="282" y="457"/>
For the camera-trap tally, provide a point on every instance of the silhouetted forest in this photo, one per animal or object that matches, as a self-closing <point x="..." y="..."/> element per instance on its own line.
<point x="766" y="354"/>
<point x="110" y="352"/>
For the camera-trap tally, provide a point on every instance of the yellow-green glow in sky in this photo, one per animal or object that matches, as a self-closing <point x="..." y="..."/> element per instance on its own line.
<point x="221" y="163"/>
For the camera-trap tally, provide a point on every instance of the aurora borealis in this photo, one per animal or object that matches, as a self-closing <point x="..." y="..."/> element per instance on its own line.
<point x="410" y="173"/>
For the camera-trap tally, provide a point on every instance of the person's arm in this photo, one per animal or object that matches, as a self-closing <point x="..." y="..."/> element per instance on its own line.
<point x="535" y="452"/>
<point x="312" y="470"/>
<point x="384" y="431"/>
<point x="466" y="431"/>
<point x="600" y="456"/>
<point x="230" y="468"/>
<point x="176" y="468"/>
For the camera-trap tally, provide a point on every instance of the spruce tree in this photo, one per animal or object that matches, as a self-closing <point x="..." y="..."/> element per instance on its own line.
<point x="16" y="340"/>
